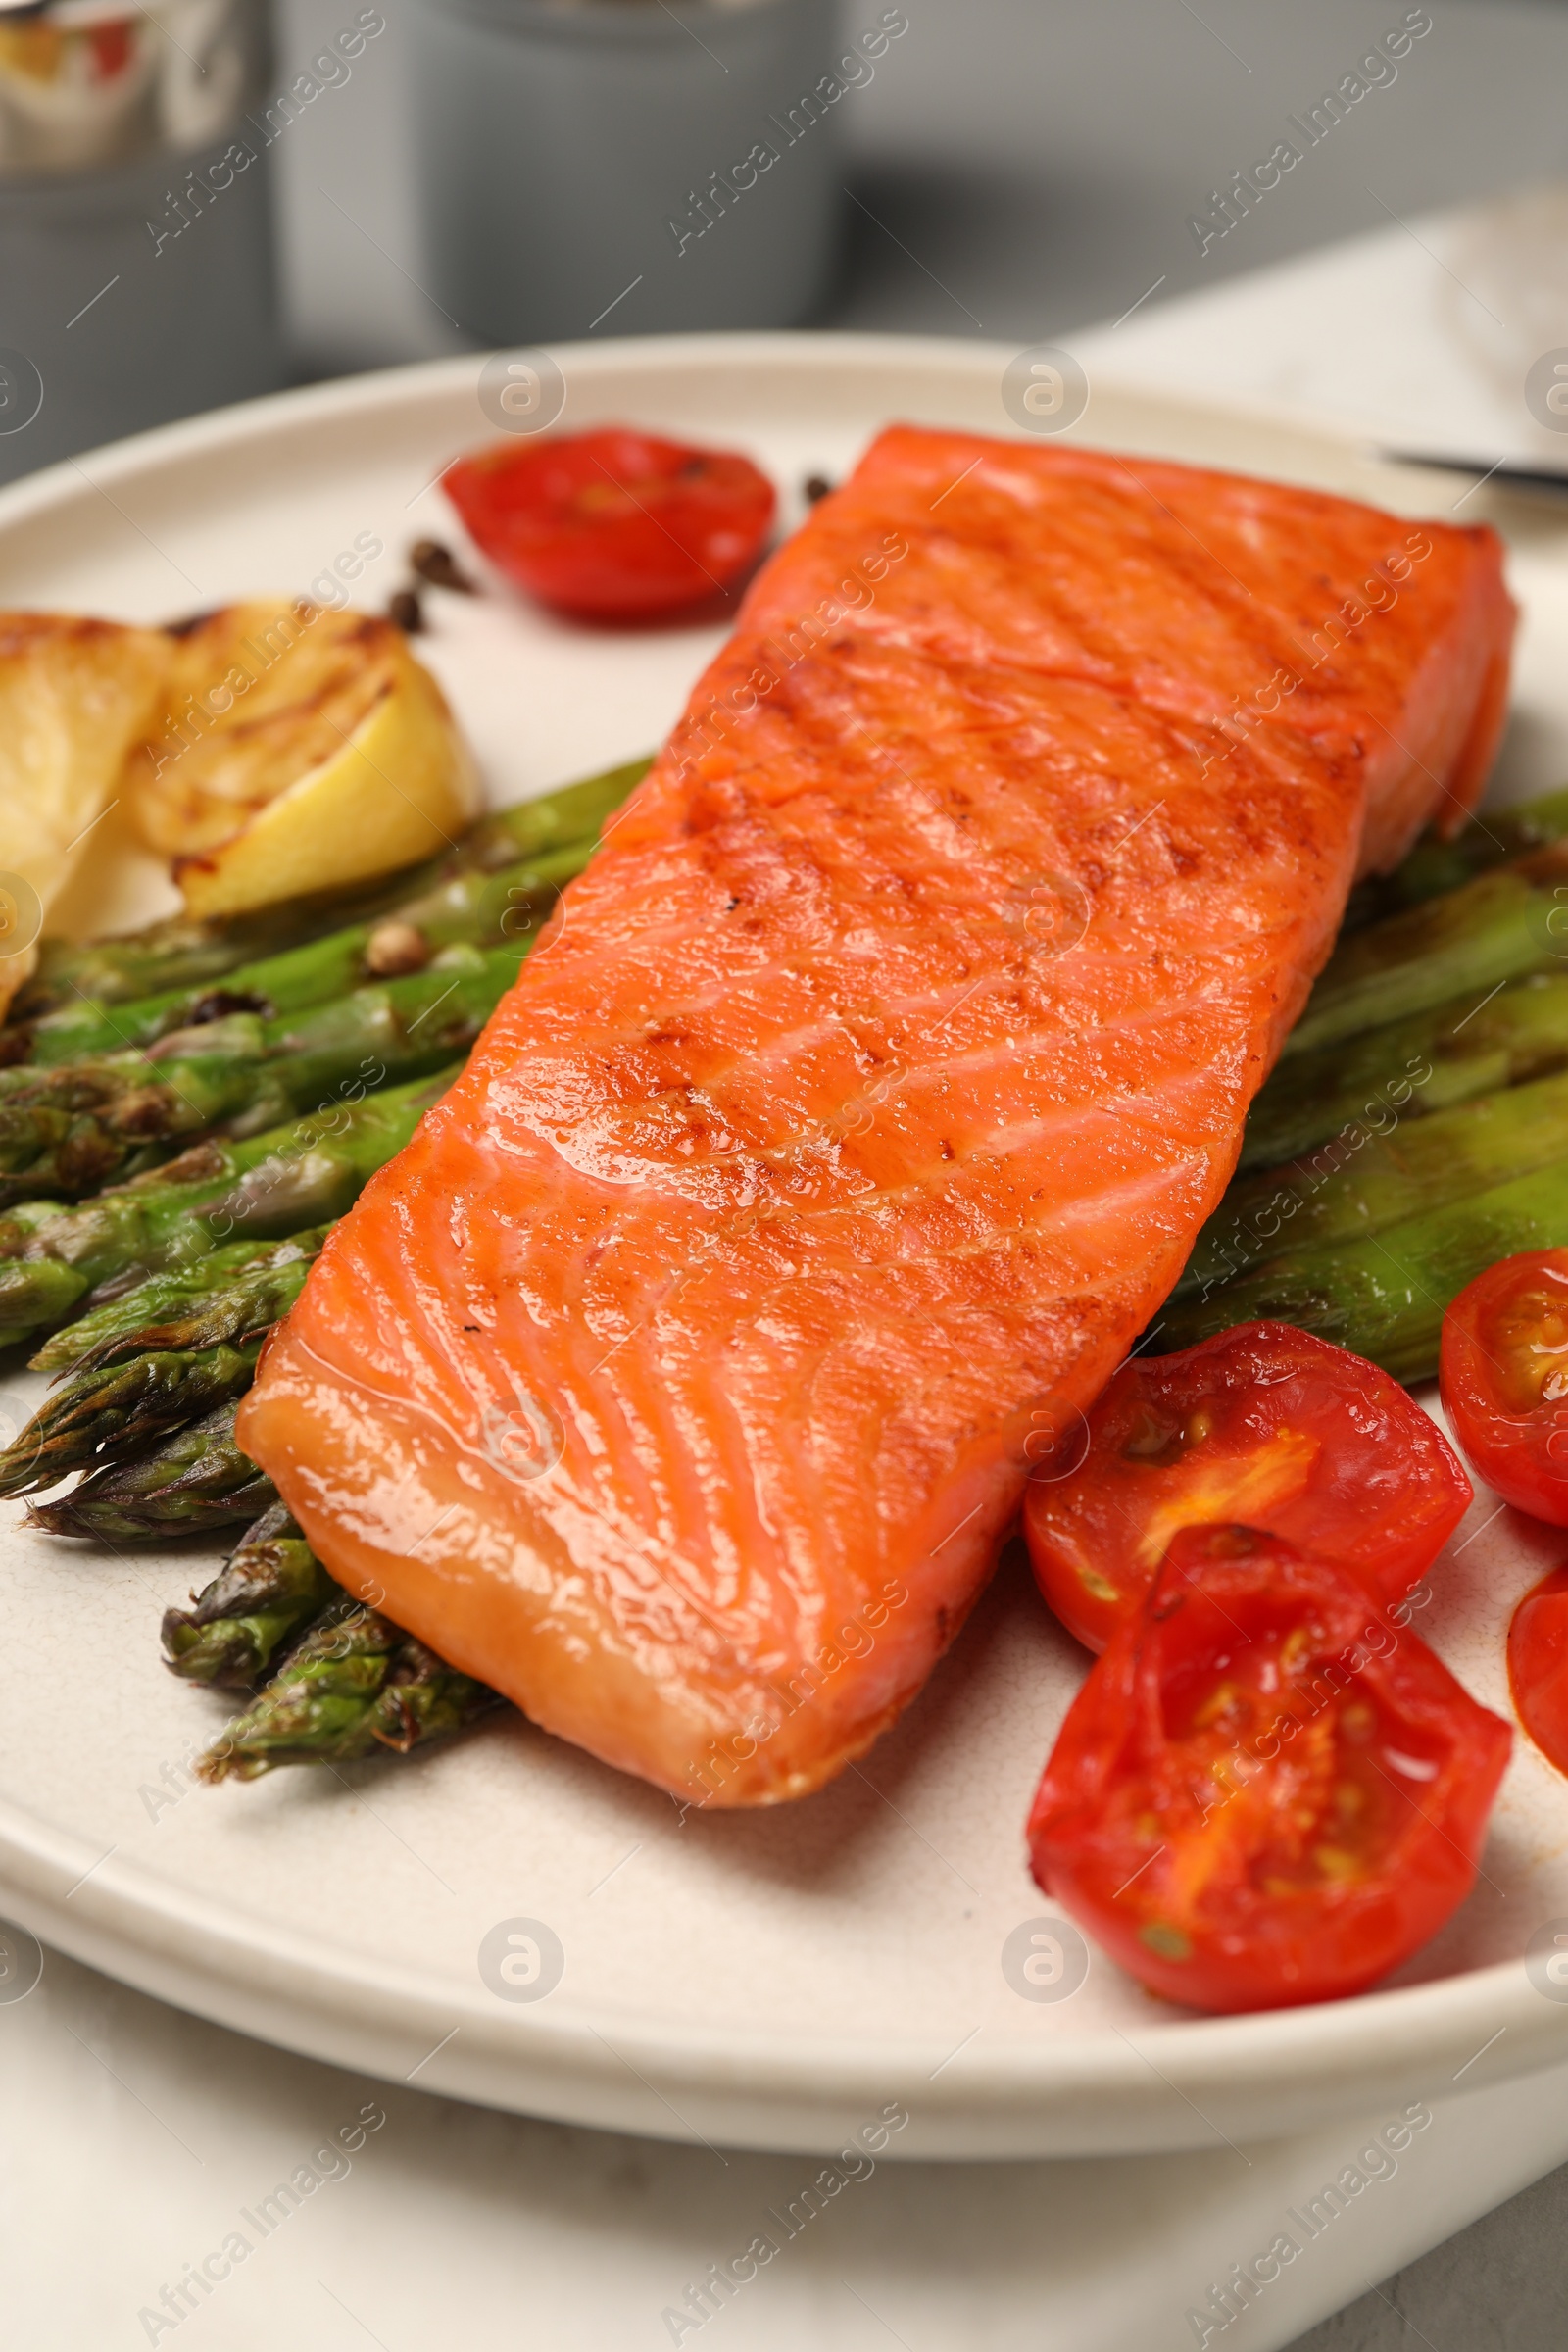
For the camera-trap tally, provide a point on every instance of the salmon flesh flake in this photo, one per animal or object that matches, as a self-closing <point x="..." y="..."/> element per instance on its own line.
<point x="682" y="1377"/>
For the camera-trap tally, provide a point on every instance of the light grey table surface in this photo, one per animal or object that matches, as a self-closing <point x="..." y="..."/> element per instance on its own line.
<point x="1022" y="168"/>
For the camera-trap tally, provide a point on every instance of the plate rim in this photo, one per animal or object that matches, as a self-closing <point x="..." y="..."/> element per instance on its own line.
<point x="1007" y="2099"/>
<point x="388" y="388"/>
<point x="745" y="2086"/>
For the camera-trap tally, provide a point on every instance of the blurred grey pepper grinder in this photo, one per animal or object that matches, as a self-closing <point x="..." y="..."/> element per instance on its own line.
<point x="137" y="265"/>
<point x="628" y="167"/>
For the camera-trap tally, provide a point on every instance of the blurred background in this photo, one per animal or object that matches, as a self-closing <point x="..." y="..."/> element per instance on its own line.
<point x="201" y="199"/>
<point x="1020" y="165"/>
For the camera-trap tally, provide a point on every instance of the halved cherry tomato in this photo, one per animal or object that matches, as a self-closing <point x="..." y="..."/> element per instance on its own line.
<point x="1537" y="1665"/>
<point x="613" y="525"/>
<point x="1503" y="1373"/>
<point x="1265" y="1792"/>
<point x="1263" y="1424"/>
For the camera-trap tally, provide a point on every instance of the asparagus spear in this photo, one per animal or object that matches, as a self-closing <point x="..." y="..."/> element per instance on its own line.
<point x="58" y="1145"/>
<point x="1383" y="1295"/>
<point x="476" y="907"/>
<point x="35" y="1295"/>
<point x="225" y="1294"/>
<point x="115" y="1412"/>
<point x="239" y="1074"/>
<point x="194" y="1481"/>
<point x="1427" y="1062"/>
<point x="179" y="954"/>
<point x="352" y="1682"/>
<point x="268" y="1589"/>
<point x="577" y="812"/>
<point x="134" y="1385"/>
<point x="269" y="1186"/>
<point x="1433" y="866"/>
<point x="1361" y="1182"/>
<point x="1499" y="926"/>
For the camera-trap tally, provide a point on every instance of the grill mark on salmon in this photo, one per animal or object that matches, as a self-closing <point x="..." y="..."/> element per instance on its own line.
<point x="682" y="1376"/>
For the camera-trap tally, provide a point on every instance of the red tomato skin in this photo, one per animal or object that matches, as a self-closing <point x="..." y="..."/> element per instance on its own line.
<point x="613" y="525"/>
<point x="1365" y="1477"/>
<point x="1537" y="1665"/>
<point x="1114" y="1765"/>
<point x="1509" y="1448"/>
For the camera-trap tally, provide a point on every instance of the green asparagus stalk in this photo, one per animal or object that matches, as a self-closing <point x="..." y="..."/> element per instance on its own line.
<point x="267" y="1592"/>
<point x="353" y="1684"/>
<point x="60" y="1145"/>
<point x="1383" y="1295"/>
<point x="474" y="908"/>
<point x="1497" y="928"/>
<point x="179" y="954"/>
<point x="115" y="1412"/>
<point x="35" y="1295"/>
<point x="1430" y="1062"/>
<point x="1433" y="866"/>
<point x="237" y="1289"/>
<point x="133" y="1387"/>
<point x="1361" y="1182"/>
<point x="577" y="812"/>
<point x="268" y="1186"/>
<point x="239" y="1074"/>
<point x="191" y="1483"/>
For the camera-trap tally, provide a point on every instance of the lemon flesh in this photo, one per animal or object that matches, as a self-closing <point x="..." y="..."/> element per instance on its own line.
<point x="74" y="696"/>
<point x="300" y="749"/>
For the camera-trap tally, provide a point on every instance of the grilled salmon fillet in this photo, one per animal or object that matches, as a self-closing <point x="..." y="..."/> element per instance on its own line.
<point x="682" y="1376"/>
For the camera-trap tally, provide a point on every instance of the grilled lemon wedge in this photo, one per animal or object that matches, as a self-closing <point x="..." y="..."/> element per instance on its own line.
<point x="74" y="696"/>
<point x="299" y="749"/>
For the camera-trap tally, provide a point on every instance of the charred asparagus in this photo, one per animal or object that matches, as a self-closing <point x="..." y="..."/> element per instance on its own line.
<point x="71" y="1130"/>
<point x="191" y="1483"/>
<point x="238" y="1288"/>
<point x="476" y="909"/>
<point x="1363" y="1181"/>
<point x="354" y="1683"/>
<point x="1410" y="1068"/>
<point x="1502" y="925"/>
<point x="174" y="1217"/>
<point x="267" y="1592"/>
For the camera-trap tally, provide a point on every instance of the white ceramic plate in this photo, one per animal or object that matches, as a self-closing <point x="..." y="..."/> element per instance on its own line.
<point x="773" y="1978"/>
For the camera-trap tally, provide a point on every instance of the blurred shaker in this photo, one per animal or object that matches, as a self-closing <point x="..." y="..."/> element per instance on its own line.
<point x="136" y="276"/>
<point x="632" y="166"/>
